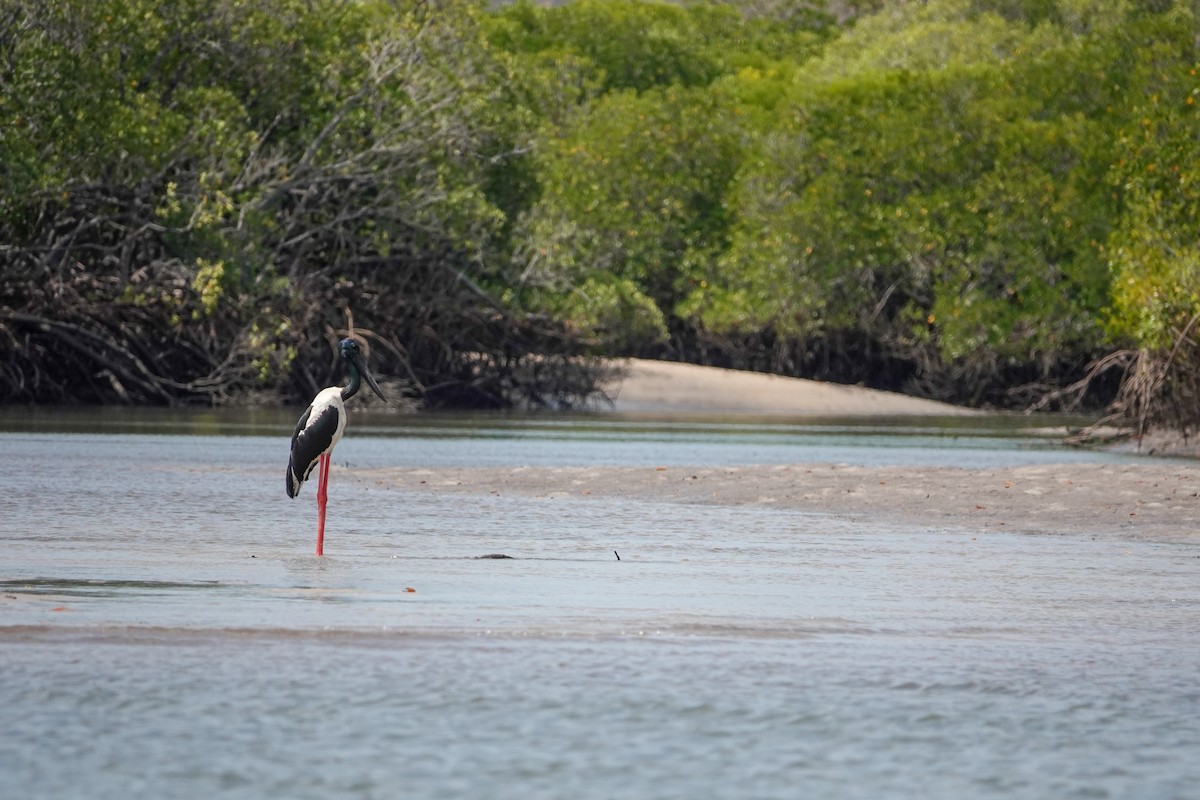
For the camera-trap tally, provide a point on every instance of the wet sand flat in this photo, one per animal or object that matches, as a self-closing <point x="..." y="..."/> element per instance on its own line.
<point x="1149" y="501"/>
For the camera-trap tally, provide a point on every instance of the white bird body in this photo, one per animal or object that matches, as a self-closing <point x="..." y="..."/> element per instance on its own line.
<point x="331" y="398"/>
<point x="320" y="429"/>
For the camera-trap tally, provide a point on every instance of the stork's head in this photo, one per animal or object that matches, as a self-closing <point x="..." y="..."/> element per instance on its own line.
<point x="350" y="350"/>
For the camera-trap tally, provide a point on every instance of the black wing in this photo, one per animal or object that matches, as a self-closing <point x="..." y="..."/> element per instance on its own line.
<point x="308" y="442"/>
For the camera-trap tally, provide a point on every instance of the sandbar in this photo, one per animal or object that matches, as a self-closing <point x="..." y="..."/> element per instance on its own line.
<point x="649" y="386"/>
<point x="1156" y="499"/>
<point x="1138" y="501"/>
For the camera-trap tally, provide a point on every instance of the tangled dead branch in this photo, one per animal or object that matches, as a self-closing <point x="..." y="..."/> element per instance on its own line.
<point x="1155" y="389"/>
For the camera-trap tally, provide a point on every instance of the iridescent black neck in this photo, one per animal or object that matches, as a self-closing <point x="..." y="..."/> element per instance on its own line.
<point x="351" y="388"/>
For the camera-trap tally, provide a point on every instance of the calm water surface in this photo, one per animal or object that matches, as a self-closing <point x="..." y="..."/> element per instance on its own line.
<point x="165" y="631"/>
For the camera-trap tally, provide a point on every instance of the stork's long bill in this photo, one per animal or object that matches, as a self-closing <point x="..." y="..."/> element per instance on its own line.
<point x="320" y="428"/>
<point x="358" y="367"/>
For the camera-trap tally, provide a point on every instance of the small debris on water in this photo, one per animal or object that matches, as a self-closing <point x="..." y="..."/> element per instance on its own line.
<point x="618" y="555"/>
<point x="493" y="555"/>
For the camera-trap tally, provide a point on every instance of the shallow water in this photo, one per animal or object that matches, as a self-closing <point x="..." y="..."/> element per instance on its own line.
<point x="166" y="631"/>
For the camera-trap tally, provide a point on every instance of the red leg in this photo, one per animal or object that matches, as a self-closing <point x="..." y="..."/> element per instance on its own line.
<point x="322" y="497"/>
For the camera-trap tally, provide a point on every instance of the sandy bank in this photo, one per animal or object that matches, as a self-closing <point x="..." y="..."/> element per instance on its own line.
<point x="1153" y="500"/>
<point x="666" y="386"/>
<point x="1140" y="501"/>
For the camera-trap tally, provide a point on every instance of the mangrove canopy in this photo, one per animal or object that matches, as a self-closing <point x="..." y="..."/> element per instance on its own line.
<point x="992" y="202"/>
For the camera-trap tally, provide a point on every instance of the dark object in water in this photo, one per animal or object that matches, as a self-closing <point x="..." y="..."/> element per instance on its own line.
<point x="493" y="555"/>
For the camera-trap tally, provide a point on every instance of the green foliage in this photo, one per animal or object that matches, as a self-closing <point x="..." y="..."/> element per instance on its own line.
<point x="933" y="199"/>
<point x="1153" y="249"/>
<point x="949" y="195"/>
<point x="924" y="36"/>
<point x="632" y="45"/>
<point x="633" y="188"/>
<point x="609" y="313"/>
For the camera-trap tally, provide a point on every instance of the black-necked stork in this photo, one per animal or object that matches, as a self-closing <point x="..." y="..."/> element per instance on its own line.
<point x="321" y="427"/>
